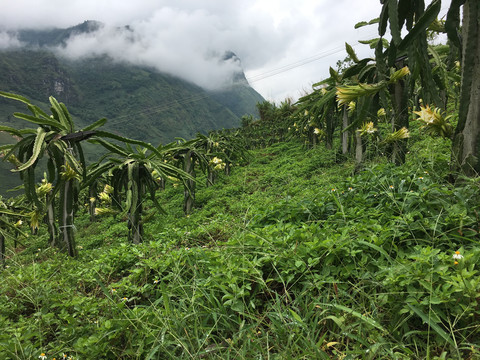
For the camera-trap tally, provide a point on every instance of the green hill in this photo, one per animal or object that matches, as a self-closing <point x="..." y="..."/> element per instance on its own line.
<point x="293" y="256"/>
<point x="139" y="102"/>
<point x="344" y="226"/>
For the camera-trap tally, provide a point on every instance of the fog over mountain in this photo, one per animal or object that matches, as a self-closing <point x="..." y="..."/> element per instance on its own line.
<point x="146" y="92"/>
<point x="142" y="46"/>
<point x="186" y="38"/>
<point x="8" y="41"/>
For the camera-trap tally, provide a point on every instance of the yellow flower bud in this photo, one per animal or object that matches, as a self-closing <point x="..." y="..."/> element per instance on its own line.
<point x="351" y="106"/>
<point x="45" y="188"/>
<point x="399" y="74"/>
<point x="69" y="173"/>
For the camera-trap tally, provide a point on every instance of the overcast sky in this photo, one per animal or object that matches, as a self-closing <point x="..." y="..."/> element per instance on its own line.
<point x="285" y="46"/>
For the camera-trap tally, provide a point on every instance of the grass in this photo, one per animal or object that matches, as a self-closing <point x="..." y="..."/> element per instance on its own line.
<point x="293" y="256"/>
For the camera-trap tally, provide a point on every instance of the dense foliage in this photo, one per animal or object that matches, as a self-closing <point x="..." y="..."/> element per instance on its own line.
<point x="366" y="247"/>
<point x="138" y="101"/>
<point x="156" y="107"/>
<point x="291" y="256"/>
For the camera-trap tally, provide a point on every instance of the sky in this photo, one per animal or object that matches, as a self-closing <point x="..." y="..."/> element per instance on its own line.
<point x="284" y="46"/>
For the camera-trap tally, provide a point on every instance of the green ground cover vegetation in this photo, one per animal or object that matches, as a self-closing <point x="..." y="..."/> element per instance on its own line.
<point x="344" y="225"/>
<point x="293" y="256"/>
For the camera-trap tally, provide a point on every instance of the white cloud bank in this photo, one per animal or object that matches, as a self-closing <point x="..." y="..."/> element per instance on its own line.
<point x="8" y="41"/>
<point x="149" y="43"/>
<point x="187" y="37"/>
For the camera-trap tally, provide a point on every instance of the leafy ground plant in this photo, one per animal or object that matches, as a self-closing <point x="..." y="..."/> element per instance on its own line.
<point x="289" y="257"/>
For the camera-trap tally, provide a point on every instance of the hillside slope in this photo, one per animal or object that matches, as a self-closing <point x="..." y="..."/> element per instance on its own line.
<point x="293" y="256"/>
<point x="139" y="102"/>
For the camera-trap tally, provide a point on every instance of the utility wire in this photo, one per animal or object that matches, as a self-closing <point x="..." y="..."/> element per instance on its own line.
<point x="252" y="79"/>
<point x="162" y="107"/>
<point x="299" y="63"/>
<point x="291" y="66"/>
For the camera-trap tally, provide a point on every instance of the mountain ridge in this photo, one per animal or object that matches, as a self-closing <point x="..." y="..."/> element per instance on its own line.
<point x="100" y="86"/>
<point x="138" y="101"/>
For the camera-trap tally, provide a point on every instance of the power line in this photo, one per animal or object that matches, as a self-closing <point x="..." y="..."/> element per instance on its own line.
<point x="251" y="79"/>
<point x="298" y="63"/>
<point x="291" y="66"/>
<point x="307" y="60"/>
<point x="162" y="107"/>
<point x="166" y="106"/>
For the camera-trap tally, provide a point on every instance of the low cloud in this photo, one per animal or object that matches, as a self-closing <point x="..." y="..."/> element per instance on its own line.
<point x="151" y="44"/>
<point x="8" y="41"/>
<point x="187" y="39"/>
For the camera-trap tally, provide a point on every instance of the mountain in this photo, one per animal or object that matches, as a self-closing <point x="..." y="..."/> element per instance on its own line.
<point x="138" y="101"/>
